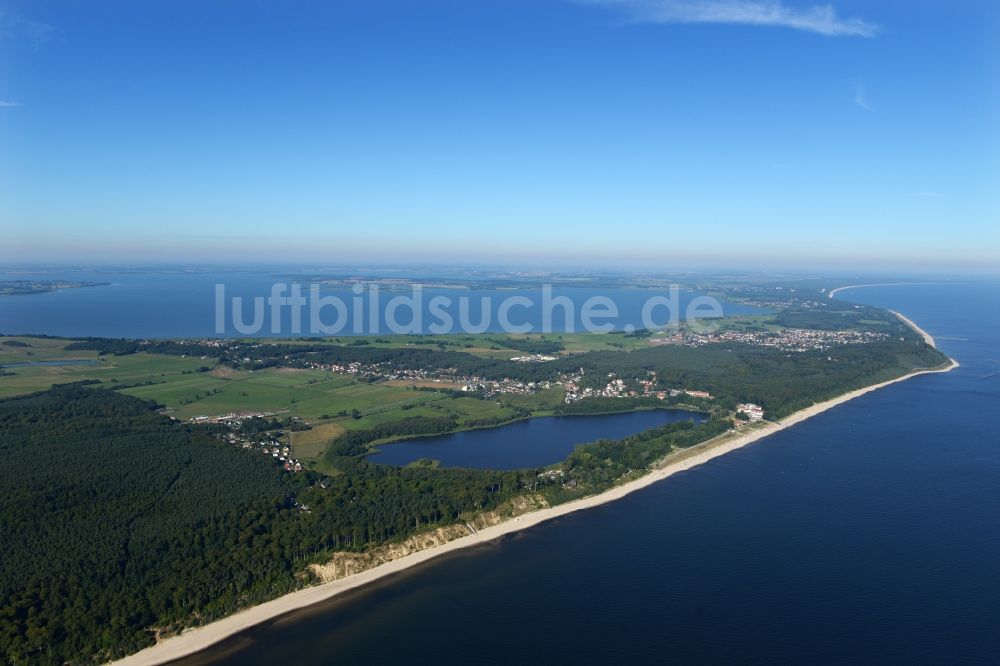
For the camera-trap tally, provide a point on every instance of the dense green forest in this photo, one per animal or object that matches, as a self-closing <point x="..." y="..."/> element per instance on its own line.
<point x="356" y="442"/>
<point x="117" y="519"/>
<point x="596" y="466"/>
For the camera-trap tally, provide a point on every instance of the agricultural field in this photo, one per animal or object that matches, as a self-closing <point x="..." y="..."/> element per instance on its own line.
<point x="189" y="387"/>
<point x="311" y="444"/>
<point x="20" y="349"/>
<point x="490" y="345"/>
<point x="752" y="322"/>
<point x="113" y="371"/>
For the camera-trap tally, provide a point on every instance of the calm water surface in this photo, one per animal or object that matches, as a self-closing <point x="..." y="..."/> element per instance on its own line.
<point x="532" y="443"/>
<point x="182" y="305"/>
<point x="870" y="533"/>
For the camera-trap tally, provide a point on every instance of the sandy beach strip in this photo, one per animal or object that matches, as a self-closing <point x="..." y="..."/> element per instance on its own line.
<point x="198" y="638"/>
<point x="909" y="322"/>
<point x="903" y="318"/>
<point x="834" y="291"/>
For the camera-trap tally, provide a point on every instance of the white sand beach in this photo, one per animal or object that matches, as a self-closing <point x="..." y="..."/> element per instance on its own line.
<point x="833" y="292"/>
<point x="909" y="322"/>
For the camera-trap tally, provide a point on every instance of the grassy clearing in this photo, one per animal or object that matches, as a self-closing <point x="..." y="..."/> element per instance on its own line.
<point x="310" y="444"/>
<point x="312" y="395"/>
<point x="425" y="383"/>
<point x="38" y="349"/>
<point x="492" y="345"/>
<point x="544" y="400"/>
<point x="747" y="322"/>
<point x="112" y="371"/>
<point x="577" y="343"/>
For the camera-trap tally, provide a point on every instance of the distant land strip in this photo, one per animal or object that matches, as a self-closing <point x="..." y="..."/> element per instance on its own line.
<point x="833" y="292"/>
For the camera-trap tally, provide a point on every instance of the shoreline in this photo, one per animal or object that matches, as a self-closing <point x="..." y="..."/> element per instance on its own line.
<point x="921" y="332"/>
<point x="928" y="338"/>
<point x="832" y="292"/>
<point x="197" y="639"/>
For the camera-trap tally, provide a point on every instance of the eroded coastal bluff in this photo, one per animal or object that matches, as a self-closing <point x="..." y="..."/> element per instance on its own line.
<point x="352" y="571"/>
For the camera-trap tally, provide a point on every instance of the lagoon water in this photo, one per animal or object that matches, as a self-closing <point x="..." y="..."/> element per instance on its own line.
<point x="870" y="533"/>
<point x="147" y="304"/>
<point x="532" y="443"/>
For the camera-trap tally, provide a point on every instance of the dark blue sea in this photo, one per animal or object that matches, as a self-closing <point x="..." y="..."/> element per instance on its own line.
<point x="868" y="534"/>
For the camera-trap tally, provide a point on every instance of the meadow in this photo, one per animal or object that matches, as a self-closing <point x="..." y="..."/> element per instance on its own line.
<point x="190" y="387"/>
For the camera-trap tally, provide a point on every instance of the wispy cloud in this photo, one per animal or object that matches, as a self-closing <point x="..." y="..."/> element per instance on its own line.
<point x="862" y="100"/>
<point x="17" y="26"/>
<point x="7" y="104"/>
<point x="821" y="19"/>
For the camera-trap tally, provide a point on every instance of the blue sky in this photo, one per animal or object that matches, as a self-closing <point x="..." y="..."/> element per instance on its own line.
<point x="597" y="132"/>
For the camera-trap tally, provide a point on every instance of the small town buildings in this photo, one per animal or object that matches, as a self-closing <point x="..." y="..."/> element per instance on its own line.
<point x="753" y="412"/>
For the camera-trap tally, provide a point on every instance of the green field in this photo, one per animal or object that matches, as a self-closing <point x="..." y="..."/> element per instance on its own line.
<point x="487" y="345"/>
<point x="751" y="322"/>
<point x="111" y="370"/>
<point x="187" y="387"/>
<point x="330" y="402"/>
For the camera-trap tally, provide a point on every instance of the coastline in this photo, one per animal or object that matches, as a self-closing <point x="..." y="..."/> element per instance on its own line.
<point x="832" y="292"/>
<point x="921" y="332"/>
<point x="928" y="338"/>
<point x="196" y="639"/>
